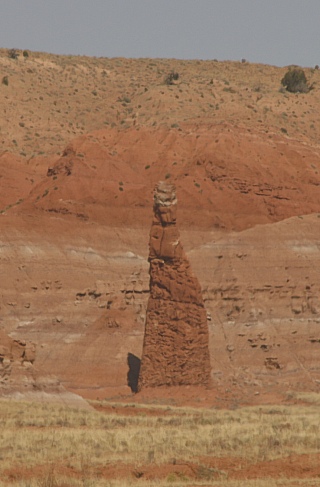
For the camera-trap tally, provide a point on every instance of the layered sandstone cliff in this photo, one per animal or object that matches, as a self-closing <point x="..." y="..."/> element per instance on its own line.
<point x="176" y="341"/>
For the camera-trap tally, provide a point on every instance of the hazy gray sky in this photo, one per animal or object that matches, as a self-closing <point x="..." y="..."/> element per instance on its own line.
<point x="279" y="32"/>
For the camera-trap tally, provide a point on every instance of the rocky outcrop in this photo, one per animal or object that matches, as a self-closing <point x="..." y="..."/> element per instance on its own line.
<point x="175" y="348"/>
<point x="16" y="361"/>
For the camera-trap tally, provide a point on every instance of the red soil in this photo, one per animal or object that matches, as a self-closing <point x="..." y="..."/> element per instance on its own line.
<point x="205" y="468"/>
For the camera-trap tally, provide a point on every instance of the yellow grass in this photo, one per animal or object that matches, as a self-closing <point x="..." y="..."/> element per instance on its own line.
<point x="83" y="441"/>
<point x="307" y="397"/>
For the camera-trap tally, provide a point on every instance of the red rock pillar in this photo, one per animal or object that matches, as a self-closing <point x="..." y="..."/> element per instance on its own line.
<point x="176" y="341"/>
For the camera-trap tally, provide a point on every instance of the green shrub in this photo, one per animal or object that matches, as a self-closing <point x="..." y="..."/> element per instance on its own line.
<point x="295" y="81"/>
<point x="25" y="54"/>
<point x="13" y="54"/>
<point x="171" y="78"/>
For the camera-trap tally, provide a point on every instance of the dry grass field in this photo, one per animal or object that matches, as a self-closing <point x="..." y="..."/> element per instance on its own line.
<point x="150" y="445"/>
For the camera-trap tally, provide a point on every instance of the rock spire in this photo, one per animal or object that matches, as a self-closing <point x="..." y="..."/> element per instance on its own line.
<point x="176" y="341"/>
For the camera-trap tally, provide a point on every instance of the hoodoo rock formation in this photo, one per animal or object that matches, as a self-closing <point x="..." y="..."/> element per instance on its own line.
<point x="176" y="340"/>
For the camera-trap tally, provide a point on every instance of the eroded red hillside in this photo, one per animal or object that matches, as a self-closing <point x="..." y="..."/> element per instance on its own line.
<point x="227" y="177"/>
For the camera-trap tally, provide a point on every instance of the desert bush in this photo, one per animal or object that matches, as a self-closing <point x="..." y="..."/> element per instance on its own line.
<point x="5" y="80"/>
<point x="295" y="81"/>
<point x="13" y="53"/>
<point x="171" y="78"/>
<point x="25" y="53"/>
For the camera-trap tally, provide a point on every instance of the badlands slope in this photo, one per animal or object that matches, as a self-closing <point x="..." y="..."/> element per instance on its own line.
<point x="84" y="142"/>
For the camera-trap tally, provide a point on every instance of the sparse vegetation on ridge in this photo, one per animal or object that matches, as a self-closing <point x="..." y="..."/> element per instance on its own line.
<point x="62" y="97"/>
